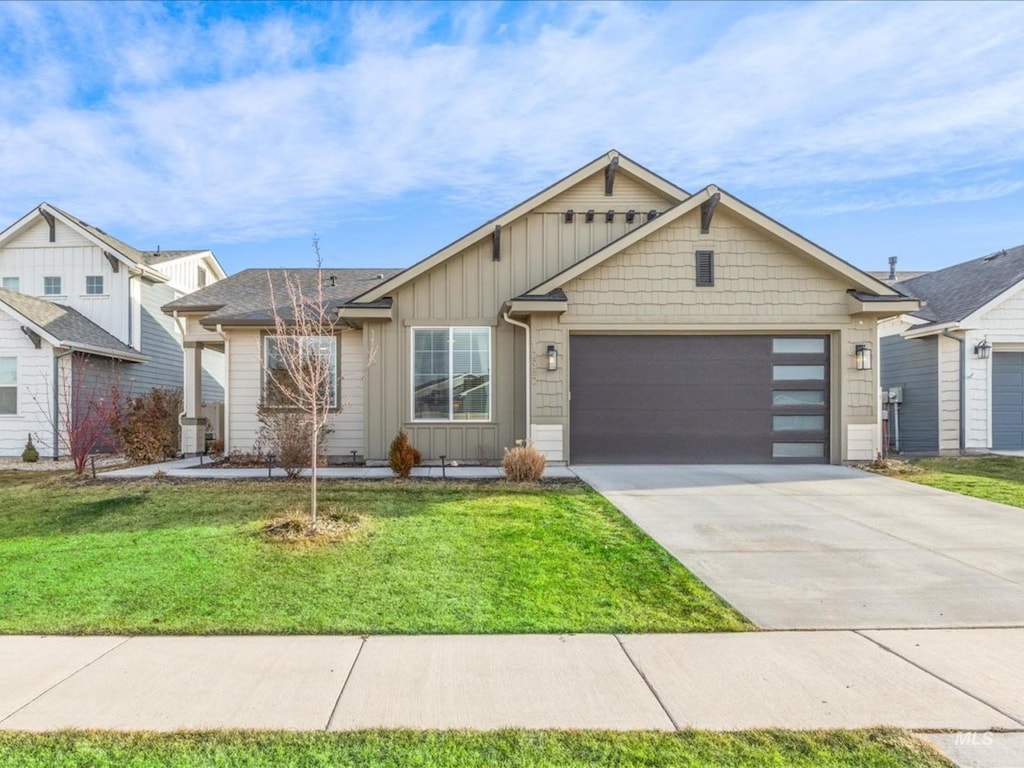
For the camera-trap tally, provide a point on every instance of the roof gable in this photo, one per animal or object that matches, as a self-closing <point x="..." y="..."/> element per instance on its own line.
<point x="63" y="326"/>
<point x="967" y="290"/>
<point x="613" y="158"/>
<point x="858" y="279"/>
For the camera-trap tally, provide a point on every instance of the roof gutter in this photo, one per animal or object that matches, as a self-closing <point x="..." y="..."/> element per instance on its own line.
<point x="962" y="381"/>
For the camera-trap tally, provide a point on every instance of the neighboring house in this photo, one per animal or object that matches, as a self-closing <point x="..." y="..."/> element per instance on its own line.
<point x="612" y="317"/>
<point x="960" y="358"/>
<point x="68" y="286"/>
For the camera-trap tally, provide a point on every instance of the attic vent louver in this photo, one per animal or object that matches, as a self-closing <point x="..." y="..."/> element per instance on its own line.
<point x="705" y="268"/>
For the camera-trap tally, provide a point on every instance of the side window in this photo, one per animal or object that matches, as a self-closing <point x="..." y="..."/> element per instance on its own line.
<point x="51" y="286"/>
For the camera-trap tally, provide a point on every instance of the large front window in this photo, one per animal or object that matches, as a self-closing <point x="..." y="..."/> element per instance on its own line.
<point x="451" y="376"/>
<point x="296" y="367"/>
<point x="8" y="385"/>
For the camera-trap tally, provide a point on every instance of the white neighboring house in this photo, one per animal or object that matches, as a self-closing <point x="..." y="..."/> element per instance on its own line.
<point x="960" y="358"/>
<point x="67" y="286"/>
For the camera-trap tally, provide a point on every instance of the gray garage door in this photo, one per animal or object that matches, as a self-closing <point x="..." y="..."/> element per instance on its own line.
<point x="698" y="399"/>
<point x="1008" y="400"/>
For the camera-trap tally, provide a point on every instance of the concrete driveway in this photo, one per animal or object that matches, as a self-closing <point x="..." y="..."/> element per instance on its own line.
<point x="824" y="547"/>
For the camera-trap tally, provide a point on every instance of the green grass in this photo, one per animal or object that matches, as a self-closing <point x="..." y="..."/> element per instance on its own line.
<point x="185" y="558"/>
<point x="996" y="478"/>
<point x="448" y="749"/>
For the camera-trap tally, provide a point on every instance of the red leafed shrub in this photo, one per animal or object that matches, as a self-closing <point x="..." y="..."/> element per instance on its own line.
<point x="402" y="457"/>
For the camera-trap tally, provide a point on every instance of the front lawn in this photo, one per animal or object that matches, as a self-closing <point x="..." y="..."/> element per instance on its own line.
<point x="452" y="749"/>
<point x="186" y="558"/>
<point x="996" y="478"/>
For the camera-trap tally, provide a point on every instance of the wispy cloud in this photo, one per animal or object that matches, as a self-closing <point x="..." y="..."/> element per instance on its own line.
<point x="245" y="128"/>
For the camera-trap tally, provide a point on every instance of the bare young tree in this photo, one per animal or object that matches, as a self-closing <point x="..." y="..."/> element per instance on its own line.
<point x="302" y="367"/>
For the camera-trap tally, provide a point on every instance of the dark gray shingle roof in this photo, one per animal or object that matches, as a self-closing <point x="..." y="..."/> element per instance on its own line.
<point x="955" y="292"/>
<point x="245" y="297"/>
<point x="68" y="326"/>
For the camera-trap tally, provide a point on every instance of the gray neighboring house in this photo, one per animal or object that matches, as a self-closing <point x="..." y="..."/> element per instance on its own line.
<point x="611" y="317"/>
<point x="959" y="359"/>
<point x="68" y="286"/>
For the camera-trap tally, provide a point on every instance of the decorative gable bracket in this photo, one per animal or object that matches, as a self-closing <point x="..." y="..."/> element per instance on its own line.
<point x="609" y="176"/>
<point x="52" y="224"/>
<point x="115" y="265"/>
<point x="707" y="212"/>
<point x="33" y="336"/>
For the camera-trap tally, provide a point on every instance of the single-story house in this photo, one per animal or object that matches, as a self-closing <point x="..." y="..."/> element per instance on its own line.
<point x="611" y="317"/>
<point x="957" y="364"/>
<point x="68" y="286"/>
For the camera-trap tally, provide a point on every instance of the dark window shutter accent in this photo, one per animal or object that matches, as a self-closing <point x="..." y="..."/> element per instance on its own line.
<point x="705" y="268"/>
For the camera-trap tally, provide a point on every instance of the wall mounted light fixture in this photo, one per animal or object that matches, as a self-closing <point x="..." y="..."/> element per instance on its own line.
<point x="862" y="356"/>
<point x="983" y="349"/>
<point x="552" y="358"/>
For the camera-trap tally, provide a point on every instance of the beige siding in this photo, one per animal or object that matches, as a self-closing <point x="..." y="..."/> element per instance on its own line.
<point x="589" y="193"/>
<point x="245" y="374"/>
<point x="949" y="395"/>
<point x="761" y="286"/>
<point x="469" y="289"/>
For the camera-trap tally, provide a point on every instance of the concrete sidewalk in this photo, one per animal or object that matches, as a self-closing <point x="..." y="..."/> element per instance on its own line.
<point x="967" y="680"/>
<point x="193" y="468"/>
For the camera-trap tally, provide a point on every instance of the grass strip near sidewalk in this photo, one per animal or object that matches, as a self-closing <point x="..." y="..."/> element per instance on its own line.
<point x="996" y="478"/>
<point x="454" y="749"/>
<point x="161" y="557"/>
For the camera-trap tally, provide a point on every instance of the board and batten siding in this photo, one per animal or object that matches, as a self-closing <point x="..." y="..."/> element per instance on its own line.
<point x="1003" y="327"/>
<point x="761" y="286"/>
<point x="35" y="369"/>
<point x="914" y="365"/>
<point x="244" y="361"/>
<point x="184" y="272"/>
<point x="30" y="256"/>
<point x="469" y="289"/>
<point x="949" y="395"/>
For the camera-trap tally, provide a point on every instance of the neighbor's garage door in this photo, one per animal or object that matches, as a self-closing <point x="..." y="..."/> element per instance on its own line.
<point x="698" y="399"/>
<point x="1008" y="400"/>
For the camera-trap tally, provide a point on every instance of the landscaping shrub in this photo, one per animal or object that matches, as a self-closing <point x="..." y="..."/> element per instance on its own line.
<point x="286" y="434"/>
<point x="402" y="457"/>
<point x="30" y="455"/>
<point x="147" y="426"/>
<point x="524" y="463"/>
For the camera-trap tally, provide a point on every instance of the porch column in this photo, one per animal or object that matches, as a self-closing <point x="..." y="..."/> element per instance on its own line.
<point x="193" y="425"/>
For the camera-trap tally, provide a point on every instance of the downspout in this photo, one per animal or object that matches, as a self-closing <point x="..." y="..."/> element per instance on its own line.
<point x="56" y="402"/>
<point x="525" y="327"/>
<point x="963" y="381"/>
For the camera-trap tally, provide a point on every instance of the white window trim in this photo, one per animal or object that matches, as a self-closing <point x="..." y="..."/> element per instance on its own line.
<point x="61" y="286"/>
<point x="103" y="285"/>
<point x="336" y="405"/>
<point x="16" y="278"/>
<point x="451" y="362"/>
<point x="17" y="378"/>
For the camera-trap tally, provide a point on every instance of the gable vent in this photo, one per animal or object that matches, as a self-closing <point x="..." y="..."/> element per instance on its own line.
<point x="705" y="268"/>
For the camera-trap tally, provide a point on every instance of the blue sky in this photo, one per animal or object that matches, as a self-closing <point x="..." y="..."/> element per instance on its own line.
<point x="874" y="129"/>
